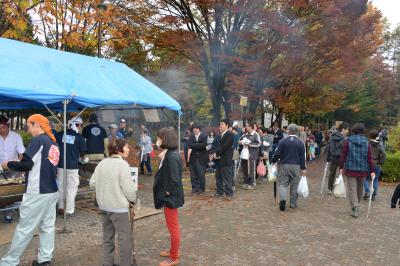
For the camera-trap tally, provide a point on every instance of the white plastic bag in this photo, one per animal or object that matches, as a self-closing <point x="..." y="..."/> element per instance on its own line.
<point x="245" y="154"/>
<point x="302" y="189"/>
<point x="272" y="172"/>
<point x="340" y="189"/>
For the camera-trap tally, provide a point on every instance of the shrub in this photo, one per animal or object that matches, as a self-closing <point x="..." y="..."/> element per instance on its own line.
<point x="391" y="168"/>
<point x="393" y="144"/>
<point x="26" y="137"/>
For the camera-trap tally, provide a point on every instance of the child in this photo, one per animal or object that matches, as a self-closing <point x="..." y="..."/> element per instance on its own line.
<point x="210" y="140"/>
<point x="211" y="164"/>
<point x="312" y="146"/>
<point x="396" y="196"/>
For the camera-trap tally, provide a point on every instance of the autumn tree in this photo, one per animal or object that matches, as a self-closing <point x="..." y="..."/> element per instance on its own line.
<point x="303" y="53"/>
<point x="15" y="21"/>
<point x="207" y="33"/>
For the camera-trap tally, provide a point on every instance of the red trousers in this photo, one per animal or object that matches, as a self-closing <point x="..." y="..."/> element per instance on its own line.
<point x="171" y="217"/>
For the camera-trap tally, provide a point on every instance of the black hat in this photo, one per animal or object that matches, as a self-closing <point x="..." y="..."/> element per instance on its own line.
<point x="4" y="120"/>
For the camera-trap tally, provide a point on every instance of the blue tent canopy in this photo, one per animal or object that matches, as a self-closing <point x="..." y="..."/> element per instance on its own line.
<point x="31" y="76"/>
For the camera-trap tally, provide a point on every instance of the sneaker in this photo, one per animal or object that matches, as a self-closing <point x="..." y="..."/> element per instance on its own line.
<point x="169" y="262"/>
<point x="70" y="215"/>
<point x="149" y="174"/>
<point x="216" y="195"/>
<point x="355" y="212"/>
<point x="366" y="196"/>
<point x="282" y="205"/>
<point x="330" y="192"/>
<point x="233" y="188"/>
<point x="373" y="198"/>
<point x="250" y="187"/>
<point x="293" y="205"/>
<point x="245" y="186"/>
<point x="36" y="263"/>
<point x="228" y="198"/>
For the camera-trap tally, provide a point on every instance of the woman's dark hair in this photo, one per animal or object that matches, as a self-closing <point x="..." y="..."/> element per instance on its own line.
<point x="169" y="138"/>
<point x="358" y="128"/>
<point x="250" y="124"/>
<point x="342" y="126"/>
<point x="264" y="130"/>
<point x="373" y="134"/>
<point x="212" y="131"/>
<point x="116" y="145"/>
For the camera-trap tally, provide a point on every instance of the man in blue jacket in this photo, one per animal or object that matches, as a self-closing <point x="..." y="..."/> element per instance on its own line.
<point x="291" y="155"/>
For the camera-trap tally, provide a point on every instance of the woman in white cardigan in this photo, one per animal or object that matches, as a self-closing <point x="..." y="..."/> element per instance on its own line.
<point x="115" y="193"/>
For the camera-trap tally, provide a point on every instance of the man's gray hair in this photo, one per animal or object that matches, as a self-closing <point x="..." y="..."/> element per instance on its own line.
<point x="293" y="129"/>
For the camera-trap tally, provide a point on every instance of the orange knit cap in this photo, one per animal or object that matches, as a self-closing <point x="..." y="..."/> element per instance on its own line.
<point x="43" y="123"/>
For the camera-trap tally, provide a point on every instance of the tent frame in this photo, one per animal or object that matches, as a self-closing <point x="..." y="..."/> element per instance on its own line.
<point x="65" y="126"/>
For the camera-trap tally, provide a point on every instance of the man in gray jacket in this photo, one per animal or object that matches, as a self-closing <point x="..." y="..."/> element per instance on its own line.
<point x="250" y="140"/>
<point x="291" y="155"/>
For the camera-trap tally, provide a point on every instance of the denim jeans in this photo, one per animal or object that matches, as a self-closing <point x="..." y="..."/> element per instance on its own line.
<point x="376" y="183"/>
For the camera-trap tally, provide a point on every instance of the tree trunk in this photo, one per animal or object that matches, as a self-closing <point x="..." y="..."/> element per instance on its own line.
<point x="227" y="104"/>
<point x="278" y="119"/>
<point x="216" y="112"/>
<point x="253" y="108"/>
<point x="18" y="125"/>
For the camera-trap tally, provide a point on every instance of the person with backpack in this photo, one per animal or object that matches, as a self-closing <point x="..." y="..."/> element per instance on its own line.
<point x="383" y="137"/>
<point x="356" y="163"/>
<point x="319" y="139"/>
<point x="379" y="157"/>
<point x="334" y="151"/>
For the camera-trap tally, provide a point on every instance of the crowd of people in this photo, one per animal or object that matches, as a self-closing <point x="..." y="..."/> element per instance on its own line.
<point x="347" y="150"/>
<point x="225" y="152"/>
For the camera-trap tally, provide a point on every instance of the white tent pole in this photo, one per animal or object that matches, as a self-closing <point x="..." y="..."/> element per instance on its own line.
<point x="64" y="139"/>
<point x="179" y="133"/>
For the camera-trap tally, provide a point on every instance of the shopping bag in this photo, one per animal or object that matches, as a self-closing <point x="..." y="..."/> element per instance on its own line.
<point x="340" y="189"/>
<point x="302" y="189"/>
<point x="261" y="171"/>
<point x="236" y="155"/>
<point x="245" y="154"/>
<point x="272" y="172"/>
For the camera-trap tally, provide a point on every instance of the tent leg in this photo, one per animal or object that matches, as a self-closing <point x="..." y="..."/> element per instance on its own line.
<point x="179" y="133"/>
<point x="65" y="228"/>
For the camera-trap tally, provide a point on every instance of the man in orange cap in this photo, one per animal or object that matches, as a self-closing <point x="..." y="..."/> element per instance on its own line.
<point x="38" y="207"/>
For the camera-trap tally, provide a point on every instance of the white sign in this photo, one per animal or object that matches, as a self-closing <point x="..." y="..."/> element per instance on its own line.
<point x="151" y="115"/>
<point x="135" y="177"/>
<point x="108" y="116"/>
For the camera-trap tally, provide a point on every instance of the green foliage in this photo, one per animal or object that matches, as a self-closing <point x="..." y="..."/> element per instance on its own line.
<point x="26" y="137"/>
<point x="361" y="104"/>
<point x="391" y="168"/>
<point x="393" y="144"/>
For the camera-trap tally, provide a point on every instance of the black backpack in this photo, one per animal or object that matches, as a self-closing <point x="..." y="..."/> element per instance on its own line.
<point x="336" y="147"/>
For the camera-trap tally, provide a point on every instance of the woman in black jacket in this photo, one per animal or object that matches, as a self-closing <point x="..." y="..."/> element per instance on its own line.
<point x="168" y="190"/>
